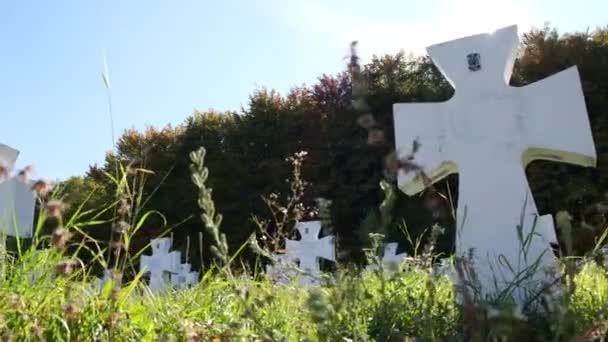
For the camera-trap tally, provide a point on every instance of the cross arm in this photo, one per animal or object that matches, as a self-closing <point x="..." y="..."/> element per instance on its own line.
<point x="426" y="124"/>
<point x="8" y="155"/>
<point x="556" y="123"/>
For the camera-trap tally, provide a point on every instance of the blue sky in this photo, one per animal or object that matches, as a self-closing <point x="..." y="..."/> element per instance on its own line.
<point x="168" y="58"/>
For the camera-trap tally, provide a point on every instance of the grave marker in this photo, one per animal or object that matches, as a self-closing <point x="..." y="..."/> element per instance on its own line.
<point x="487" y="133"/>
<point x="160" y="263"/>
<point x="390" y="258"/>
<point x="309" y="250"/>
<point x="184" y="277"/>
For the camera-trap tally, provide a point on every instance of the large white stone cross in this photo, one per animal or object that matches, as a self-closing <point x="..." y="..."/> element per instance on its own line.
<point x="487" y="133"/>
<point x="17" y="200"/>
<point x="159" y="263"/>
<point x="309" y="249"/>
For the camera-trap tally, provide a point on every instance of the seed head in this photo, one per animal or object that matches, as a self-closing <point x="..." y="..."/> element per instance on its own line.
<point x="60" y="237"/>
<point x="124" y="207"/>
<point x="40" y="187"/>
<point x="65" y="268"/>
<point x="71" y="311"/>
<point x="55" y="208"/>
<point x="115" y="294"/>
<point x="121" y="227"/>
<point x="116" y="275"/>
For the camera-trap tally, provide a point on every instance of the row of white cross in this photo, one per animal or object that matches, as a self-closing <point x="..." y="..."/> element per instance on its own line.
<point x="487" y="133"/>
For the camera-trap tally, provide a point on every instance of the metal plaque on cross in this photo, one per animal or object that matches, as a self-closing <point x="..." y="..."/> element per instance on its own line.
<point x="487" y="133"/>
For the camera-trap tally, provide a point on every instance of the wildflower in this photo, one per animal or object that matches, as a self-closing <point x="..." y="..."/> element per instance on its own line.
<point x="116" y="275"/>
<point x="71" y="311"/>
<point x="366" y="121"/>
<point x="115" y="294"/>
<point x="60" y="237"/>
<point x="375" y="137"/>
<point x="40" y="186"/>
<point x="121" y="227"/>
<point x="123" y="207"/>
<point x="66" y="267"/>
<point x="55" y="208"/>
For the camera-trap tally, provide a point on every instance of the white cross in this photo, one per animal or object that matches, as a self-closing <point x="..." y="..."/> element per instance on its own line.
<point x="309" y="249"/>
<point x="390" y="258"/>
<point x="445" y="268"/>
<point x="282" y="271"/>
<point x="17" y="200"/>
<point x="184" y="278"/>
<point x="159" y="263"/>
<point x="487" y="133"/>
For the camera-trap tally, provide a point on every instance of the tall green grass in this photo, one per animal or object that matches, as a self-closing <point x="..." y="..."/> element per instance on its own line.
<point x="51" y="295"/>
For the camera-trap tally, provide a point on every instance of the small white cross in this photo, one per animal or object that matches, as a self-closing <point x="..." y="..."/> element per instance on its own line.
<point x="159" y="263"/>
<point x="309" y="250"/>
<point x="390" y="258"/>
<point x="184" y="278"/>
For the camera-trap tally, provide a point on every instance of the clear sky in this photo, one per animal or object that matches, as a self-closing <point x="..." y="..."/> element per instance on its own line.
<point x="167" y="58"/>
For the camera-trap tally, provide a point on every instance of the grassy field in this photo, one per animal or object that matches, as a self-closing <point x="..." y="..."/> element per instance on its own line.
<point x="51" y="295"/>
<point x="59" y="304"/>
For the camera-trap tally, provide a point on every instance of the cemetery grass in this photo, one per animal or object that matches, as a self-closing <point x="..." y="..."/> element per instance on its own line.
<point x="51" y="295"/>
<point x="57" y="306"/>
